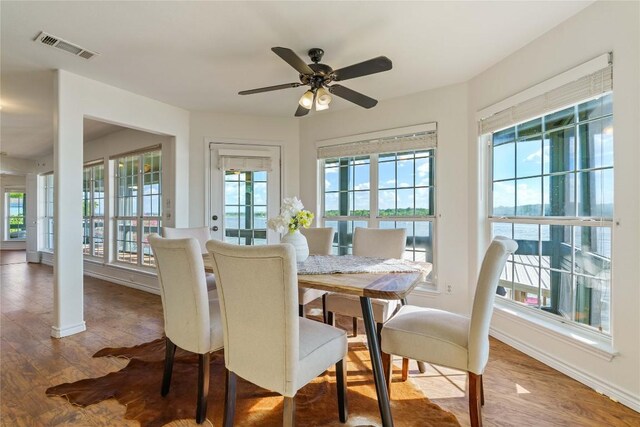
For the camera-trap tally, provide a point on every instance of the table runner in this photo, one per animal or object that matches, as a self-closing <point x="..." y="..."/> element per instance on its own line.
<point x="347" y="264"/>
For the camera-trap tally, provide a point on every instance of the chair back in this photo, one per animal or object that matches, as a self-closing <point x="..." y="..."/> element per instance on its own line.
<point x="183" y="289"/>
<point x="492" y="266"/>
<point x="319" y="240"/>
<point x="379" y="243"/>
<point x="201" y="234"/>
<point x="258" y="293"/>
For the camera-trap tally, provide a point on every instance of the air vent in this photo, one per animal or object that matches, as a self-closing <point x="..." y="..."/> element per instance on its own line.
<point x="58" y="43"/>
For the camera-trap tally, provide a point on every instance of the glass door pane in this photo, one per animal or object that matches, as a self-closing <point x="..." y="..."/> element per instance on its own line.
<point x="245" y="207"/>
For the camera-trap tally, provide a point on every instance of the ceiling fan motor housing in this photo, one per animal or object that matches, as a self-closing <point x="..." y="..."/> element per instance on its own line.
<point x="316" y="54"/>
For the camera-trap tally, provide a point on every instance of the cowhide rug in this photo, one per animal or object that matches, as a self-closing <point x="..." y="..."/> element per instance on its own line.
<point x="137" y="386"/>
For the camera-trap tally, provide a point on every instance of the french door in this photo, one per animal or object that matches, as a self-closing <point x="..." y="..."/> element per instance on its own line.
<point x="245" y="192"/>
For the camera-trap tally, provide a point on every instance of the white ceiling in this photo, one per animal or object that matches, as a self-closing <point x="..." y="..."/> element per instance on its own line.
<point x="198" y="55"/>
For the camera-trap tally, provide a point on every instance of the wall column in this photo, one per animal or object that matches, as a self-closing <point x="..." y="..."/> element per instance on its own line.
<point x="68" y="299"/>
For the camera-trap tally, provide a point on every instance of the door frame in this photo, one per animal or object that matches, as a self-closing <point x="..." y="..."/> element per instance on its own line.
<point x="242" y="144"/>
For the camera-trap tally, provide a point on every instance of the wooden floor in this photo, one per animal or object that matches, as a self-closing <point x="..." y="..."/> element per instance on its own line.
<point x="519" y="390"/>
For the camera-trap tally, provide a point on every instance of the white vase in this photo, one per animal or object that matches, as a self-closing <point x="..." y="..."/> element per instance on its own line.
<point x="299" y="243"/>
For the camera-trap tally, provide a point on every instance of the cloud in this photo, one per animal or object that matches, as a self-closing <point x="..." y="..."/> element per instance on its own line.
<point x="423" y="169"/>
<point x="503" y="194"/>
<point x="529" y="194"/>
<point x="535" y="156"/>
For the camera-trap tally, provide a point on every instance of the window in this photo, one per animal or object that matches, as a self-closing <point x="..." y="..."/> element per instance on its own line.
<point x="552" y="192"/>
<point x="15" y="203"/>
<point x="138" y="183"/>
<point x="402" y="195"/>
<point x="93" y="210"/>
<point x="47" y="234"/>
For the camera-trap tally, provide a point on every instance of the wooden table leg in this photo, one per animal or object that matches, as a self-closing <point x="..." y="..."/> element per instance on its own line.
<point x="376" y="362"/>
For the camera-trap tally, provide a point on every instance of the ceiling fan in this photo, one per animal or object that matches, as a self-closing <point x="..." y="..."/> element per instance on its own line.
<point x="318" y="76"/>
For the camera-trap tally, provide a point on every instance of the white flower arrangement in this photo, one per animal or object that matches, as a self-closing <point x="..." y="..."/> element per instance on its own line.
<point x="292" y="216"/>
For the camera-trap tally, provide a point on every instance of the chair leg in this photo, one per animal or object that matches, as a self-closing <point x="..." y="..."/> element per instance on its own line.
<point x="168" y="366"/>
<point x="421" y="366"/>
<point x="229" y="399"/>
<point x="341" y="383"/>
<point x="331" y="318"/>
<point x="379" y="335"/>
<point x="289" y="412"/>
<point x="300" y="310"/>
<point x="203" y="387"/>
<point x="481" y="391"/>
<point x="324" y="308"/>
<point x="355" y="326"/>
<point x="387" y="369"/>
<point x="475" y="412"/>
<point x="405" y="369"/>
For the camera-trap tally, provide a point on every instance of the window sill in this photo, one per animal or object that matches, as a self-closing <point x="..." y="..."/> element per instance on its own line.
<point x="94" y="260"/>
<point x="426" y="288"/>
<point x="142" y="270"/>
<point x="592" y="342"/>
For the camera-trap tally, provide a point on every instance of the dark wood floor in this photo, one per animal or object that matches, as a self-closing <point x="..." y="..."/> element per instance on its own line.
<point x="12" y="257"/>
<point x="519" y="390"/>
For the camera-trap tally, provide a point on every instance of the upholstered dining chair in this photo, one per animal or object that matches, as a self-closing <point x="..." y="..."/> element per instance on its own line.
<point x="202" y="235"/>
<point x="377" y="243"/>
<point x="191" y="319"/>
<point x="449" y="339"/>
<point x="273" y="347"/>
<point x="319" y="241"/>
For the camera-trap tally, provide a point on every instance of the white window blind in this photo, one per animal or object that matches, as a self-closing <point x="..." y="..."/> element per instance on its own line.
<point x="245" y="164"/>
<point x="589" y="86"/>
<point x="414" y="141"/>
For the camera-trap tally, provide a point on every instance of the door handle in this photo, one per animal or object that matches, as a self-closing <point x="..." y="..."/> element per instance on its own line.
<point x="215" y="217"/>
<point x="214" y="228"/>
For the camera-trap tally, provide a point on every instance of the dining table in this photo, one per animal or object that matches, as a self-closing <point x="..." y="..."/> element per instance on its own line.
<point x="365" y="278"/>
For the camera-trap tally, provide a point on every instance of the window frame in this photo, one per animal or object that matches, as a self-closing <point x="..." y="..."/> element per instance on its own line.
<point x="541" y="220"/>
<point x="7" y="213"/>
<point x="47" y="234"/>
<point x="139" y="216"/>
<point x="91" y="166"/>
<point x="374" y="218"/>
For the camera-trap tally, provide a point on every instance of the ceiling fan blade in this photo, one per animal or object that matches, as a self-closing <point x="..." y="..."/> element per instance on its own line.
<point x="292" y="59"/>
<point x="372" y="66"/>
<point x="301" y="111"/>
<point x="269" y="88"/>
<point x="353" y="96"/>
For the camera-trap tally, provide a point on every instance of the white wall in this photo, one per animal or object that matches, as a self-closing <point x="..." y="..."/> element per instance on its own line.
<point x="15" y="166"/>
<point x="229" y="128"/>
<point x="8" y="183"/>
<point x="448" y="107"/>
<point x="602" y="27"/>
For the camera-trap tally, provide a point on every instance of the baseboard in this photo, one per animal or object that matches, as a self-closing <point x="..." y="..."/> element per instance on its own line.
<point x="613" y="392"/>
<point x="129" y="284"/>
<point x="57" y="332"/>
<point x="8" y="245"/>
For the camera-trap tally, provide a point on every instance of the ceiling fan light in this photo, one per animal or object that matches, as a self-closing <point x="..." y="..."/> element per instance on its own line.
<point x="320" y="107"/>
<point x="323" y="97"/>
<point x="306" y="100"/>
